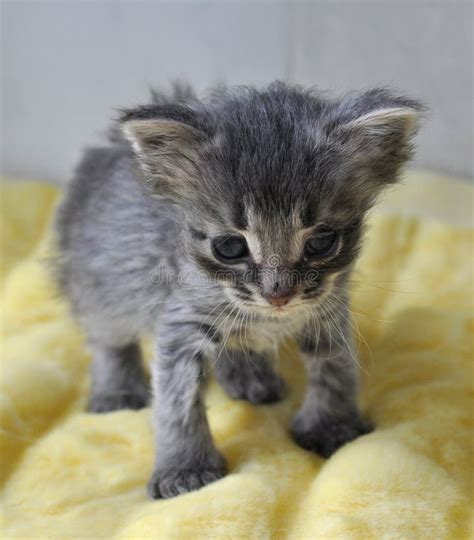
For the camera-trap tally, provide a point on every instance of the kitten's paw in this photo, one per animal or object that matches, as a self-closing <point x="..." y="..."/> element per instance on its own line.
<point x="257" y="383"/>
<point x="172" y="482"/>
<point x="258" y="391"/>
<point x="327" y="436"/>
<point x="102" y="403"/>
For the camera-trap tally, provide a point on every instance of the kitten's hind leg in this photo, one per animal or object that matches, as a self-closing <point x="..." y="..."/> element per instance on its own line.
<point x="118" y="379"/>
<point x="245" y="374"/>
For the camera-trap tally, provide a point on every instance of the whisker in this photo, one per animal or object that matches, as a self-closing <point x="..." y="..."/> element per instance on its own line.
<point x="372" y="284"/>
<point x="355" y="326"/>
<point x="221" y="325"/>
<point x="340" y="331"/>
<point x="211" y="328"/>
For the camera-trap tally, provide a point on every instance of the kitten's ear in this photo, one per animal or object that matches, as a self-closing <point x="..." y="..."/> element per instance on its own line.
<point x="168" y="153"/>
<point x="377" y="129"/>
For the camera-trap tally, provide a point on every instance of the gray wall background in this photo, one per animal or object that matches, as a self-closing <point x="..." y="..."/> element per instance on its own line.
<point x="67" y="64"/>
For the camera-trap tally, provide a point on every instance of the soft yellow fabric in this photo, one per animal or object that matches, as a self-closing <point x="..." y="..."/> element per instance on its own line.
<point x="69" y="474"/>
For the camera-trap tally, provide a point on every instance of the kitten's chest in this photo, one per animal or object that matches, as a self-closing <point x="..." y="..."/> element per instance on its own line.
<point x="262" y="335"/>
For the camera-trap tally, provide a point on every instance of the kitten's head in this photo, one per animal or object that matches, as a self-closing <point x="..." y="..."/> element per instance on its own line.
<point x="274" y="183"/>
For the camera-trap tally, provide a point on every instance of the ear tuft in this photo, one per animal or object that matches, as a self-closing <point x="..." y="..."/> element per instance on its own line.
<point x="399" y="121"/>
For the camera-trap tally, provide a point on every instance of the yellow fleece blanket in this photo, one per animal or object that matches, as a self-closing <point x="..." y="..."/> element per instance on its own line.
<point x="68" y="474"/>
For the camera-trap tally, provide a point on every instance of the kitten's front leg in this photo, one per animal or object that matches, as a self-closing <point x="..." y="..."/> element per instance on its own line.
<point x="329" y="416"/>
<point x="186" y="458"/>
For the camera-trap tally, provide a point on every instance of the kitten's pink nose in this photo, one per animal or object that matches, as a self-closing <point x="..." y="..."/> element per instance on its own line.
<point x="278" y="300"/>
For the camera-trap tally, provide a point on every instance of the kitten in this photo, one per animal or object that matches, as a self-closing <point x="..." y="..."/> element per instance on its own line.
<point x="222" y="225"/>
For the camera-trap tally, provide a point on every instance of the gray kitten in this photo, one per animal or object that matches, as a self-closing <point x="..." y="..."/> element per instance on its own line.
<point x="223" y="225"/>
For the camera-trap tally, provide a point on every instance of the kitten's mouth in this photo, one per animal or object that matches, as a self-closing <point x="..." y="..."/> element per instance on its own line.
<point x="261" y="306"/>
<point x="277" y="311"/>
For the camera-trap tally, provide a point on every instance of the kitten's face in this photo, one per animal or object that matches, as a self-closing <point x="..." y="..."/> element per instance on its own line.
<point x="275" y="262"/>
<point x="274" y="183"/>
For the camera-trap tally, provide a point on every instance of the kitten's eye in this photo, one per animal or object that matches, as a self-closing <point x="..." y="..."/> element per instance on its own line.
<point x="230" y="247"/>
<point x="321" y="243"/>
